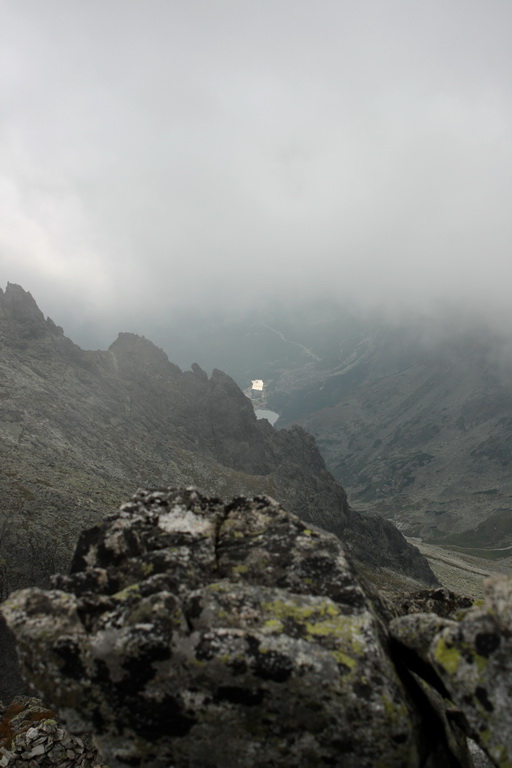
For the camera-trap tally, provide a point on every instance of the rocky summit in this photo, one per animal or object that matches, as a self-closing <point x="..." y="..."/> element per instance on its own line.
<point x="81" y="430"/>
<point x="194" y="633"/>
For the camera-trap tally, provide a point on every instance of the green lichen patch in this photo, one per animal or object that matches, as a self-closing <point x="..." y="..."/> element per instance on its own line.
<point x="320" y="622"/>
<point x="447" y="656"/>
<point x="273" y="625"/>
<point x="127" y="592"/>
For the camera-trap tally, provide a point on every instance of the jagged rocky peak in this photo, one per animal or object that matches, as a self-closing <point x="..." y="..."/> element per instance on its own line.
<point x="21" y="316"/>
<point x="198" y="371"/>
<point x="223" y="386"/>
<point x="19" y="304"/>
<point x="192" y="632"/>
<point x="133" y="351"/>
<point x="135" y="415"/>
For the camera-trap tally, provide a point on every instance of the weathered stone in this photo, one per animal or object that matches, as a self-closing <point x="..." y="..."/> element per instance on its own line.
<point x="470" y="660"/>
<point x="38" y="750"/>
<point x="39" y="745"/>
<point x="6" y="758"/>
<point x="473" y="660"/>
<point x="219" y="636"/>
<point x="417" y="630"/>
<point x="440" y="601"/>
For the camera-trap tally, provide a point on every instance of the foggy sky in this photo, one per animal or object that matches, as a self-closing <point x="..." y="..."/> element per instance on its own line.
<point x="162" y="154"/>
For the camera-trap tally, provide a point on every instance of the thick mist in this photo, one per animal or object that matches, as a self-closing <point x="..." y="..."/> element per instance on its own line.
<point x="166" y="160"/>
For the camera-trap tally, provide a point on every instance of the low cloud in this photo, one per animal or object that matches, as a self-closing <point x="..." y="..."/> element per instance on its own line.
<point x="161" y="156"/>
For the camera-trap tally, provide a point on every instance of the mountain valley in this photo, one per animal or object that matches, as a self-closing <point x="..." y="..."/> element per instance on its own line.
<point x="414" y="418"/>
<point x="81" y="430"/>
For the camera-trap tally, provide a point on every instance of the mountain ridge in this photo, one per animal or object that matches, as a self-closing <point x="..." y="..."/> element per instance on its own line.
<point x="81" y="429"/>
<point x="411" y="414"/>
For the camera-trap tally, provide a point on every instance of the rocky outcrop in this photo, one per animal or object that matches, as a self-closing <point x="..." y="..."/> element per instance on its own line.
<point x="195" y="633"/>
<point x="21" y="314"/>
<point x="191" y="632"/>
<point x="32" y="736"/>
<point x="468" y="661"/>
<point x="441" y="601"/>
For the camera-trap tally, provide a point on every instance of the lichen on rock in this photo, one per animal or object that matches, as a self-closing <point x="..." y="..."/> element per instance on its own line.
<point x="469" y="660"/>
<point x="195" y="633"/>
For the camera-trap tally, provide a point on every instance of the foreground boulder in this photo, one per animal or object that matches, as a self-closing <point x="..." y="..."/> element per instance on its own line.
<point x="470" y="662"/>
<point x="191" y="633"/>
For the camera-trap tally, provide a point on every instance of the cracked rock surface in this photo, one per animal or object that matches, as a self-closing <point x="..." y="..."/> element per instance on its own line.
<point x="193" y="633"/>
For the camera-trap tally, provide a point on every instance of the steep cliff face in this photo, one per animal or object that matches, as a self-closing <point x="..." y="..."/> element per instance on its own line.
<point x="80" y="429"/>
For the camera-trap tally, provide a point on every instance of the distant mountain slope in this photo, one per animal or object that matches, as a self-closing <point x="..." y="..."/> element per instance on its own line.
<point x="79" y="430"/>
<point x="414" y="418"/>
<point x="417" y="430"/>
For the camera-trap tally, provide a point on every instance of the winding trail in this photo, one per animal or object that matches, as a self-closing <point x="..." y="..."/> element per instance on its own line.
<point x="288" y="341"/>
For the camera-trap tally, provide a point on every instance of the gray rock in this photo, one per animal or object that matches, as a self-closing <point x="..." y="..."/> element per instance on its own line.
<point x="35" y="751"/>
<point x="469" y="660"/>
<point x="32" y="737"/>
<point x="480" y="759"/>
<point x="193" y="633"/>
<point x="473" y="660"/>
